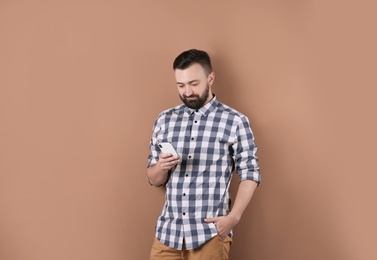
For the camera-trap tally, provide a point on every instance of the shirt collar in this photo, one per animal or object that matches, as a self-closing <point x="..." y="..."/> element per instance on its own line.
<point x="206" y="109"/>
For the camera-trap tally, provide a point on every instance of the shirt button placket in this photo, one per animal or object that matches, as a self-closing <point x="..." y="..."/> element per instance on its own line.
<point x="185" y="198"/>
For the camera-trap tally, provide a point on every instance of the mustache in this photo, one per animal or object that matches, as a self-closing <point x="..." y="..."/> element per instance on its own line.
<point x="191" y="96"/>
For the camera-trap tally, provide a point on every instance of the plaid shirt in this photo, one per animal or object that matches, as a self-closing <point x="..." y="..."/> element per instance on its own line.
<point x="212" y="142"/>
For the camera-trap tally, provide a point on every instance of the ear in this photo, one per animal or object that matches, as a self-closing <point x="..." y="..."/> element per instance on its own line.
<point x="211" y="78"/>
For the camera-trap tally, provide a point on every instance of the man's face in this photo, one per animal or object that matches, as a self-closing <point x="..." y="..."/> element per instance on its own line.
<point x="194" y="86"/>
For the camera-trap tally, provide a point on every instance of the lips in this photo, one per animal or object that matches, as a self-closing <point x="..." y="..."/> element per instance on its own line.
<point x="192" y="98"/>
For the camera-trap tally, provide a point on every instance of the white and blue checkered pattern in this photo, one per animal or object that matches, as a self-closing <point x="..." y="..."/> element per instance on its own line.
<point x="212" y="142"/>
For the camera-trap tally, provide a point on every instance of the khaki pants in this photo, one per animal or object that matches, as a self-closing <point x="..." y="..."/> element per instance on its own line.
<point x="214" y="249"/>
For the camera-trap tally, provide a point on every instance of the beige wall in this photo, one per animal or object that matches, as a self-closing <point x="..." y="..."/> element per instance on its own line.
<point x="81" y="83"/>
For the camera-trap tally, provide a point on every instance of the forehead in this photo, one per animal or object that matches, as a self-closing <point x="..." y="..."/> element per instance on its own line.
<point x="194" y="72"/>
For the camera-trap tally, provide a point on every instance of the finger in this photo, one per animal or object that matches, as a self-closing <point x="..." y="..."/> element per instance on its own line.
<point x="210" y="220"/>
<point x="172" y="159"/>
<point x="165" y="166"/>
<point x="165" y="155"/>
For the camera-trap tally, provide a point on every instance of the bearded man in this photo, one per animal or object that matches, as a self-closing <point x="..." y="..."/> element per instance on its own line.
<point x="213" y="140"/>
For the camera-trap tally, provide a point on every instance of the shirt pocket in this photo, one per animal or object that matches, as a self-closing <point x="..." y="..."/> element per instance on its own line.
<point x="224" y="145"/>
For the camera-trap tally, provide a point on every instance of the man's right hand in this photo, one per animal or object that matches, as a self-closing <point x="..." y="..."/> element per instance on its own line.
<point x="167" y="161"/>
<point x="158" y="173"/>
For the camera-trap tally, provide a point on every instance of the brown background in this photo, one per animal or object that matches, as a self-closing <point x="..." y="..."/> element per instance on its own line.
<point x="82" y="82"/>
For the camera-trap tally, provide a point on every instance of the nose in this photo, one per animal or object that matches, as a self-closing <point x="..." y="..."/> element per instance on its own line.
<point x="188" y="91"/>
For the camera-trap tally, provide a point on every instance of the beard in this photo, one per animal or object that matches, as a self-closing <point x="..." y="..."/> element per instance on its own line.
<point x="195" y="101"/>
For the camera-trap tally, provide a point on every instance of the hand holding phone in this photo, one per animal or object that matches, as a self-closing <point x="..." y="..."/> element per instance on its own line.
<point x="166" y="161"/>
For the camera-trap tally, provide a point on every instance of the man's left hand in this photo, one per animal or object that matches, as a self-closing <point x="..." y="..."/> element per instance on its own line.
<point x="224" y="224"/>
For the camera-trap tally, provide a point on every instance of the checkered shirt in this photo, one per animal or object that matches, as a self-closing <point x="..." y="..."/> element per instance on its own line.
<point x="213" y="142"/>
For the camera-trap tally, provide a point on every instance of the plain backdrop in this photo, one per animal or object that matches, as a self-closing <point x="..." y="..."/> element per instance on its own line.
<point x="81" y="83"/>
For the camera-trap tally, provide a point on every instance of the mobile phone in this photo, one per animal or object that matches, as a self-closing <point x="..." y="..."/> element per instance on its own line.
<point x="167" y="147"/>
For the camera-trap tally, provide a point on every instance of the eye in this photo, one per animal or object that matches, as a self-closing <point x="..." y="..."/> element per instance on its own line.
<point x="194" y="84"/>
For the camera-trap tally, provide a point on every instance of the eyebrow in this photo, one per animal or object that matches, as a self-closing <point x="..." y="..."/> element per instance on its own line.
<point x="191" y="81"/>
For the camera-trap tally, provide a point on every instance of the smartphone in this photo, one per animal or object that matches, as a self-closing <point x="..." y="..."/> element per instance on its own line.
<point x="167" y="147"/>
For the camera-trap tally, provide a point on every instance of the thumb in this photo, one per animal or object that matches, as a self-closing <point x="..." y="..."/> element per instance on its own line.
<point x="210" y="220"/>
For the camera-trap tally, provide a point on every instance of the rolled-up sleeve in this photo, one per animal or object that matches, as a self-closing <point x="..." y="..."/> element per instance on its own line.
<point x="246" y="160"/>
<point x="154" y="153"/>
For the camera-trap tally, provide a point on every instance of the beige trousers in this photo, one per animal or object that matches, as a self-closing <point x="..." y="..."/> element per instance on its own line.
<point x="214" y="249"/>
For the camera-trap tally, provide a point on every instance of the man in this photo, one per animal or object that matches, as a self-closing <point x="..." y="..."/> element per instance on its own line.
<point x="212" y="140"/>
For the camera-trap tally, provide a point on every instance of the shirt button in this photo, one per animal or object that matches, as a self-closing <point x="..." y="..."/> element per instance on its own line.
<point x="184" y="194"/>
<point x="189" y="156"/>
<point x="195" y="121"/>
<point x="197" y="110"/>
<point x="186" y="175"/>
<point x="184" y="213"/>
<point x="192" y="138"/>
